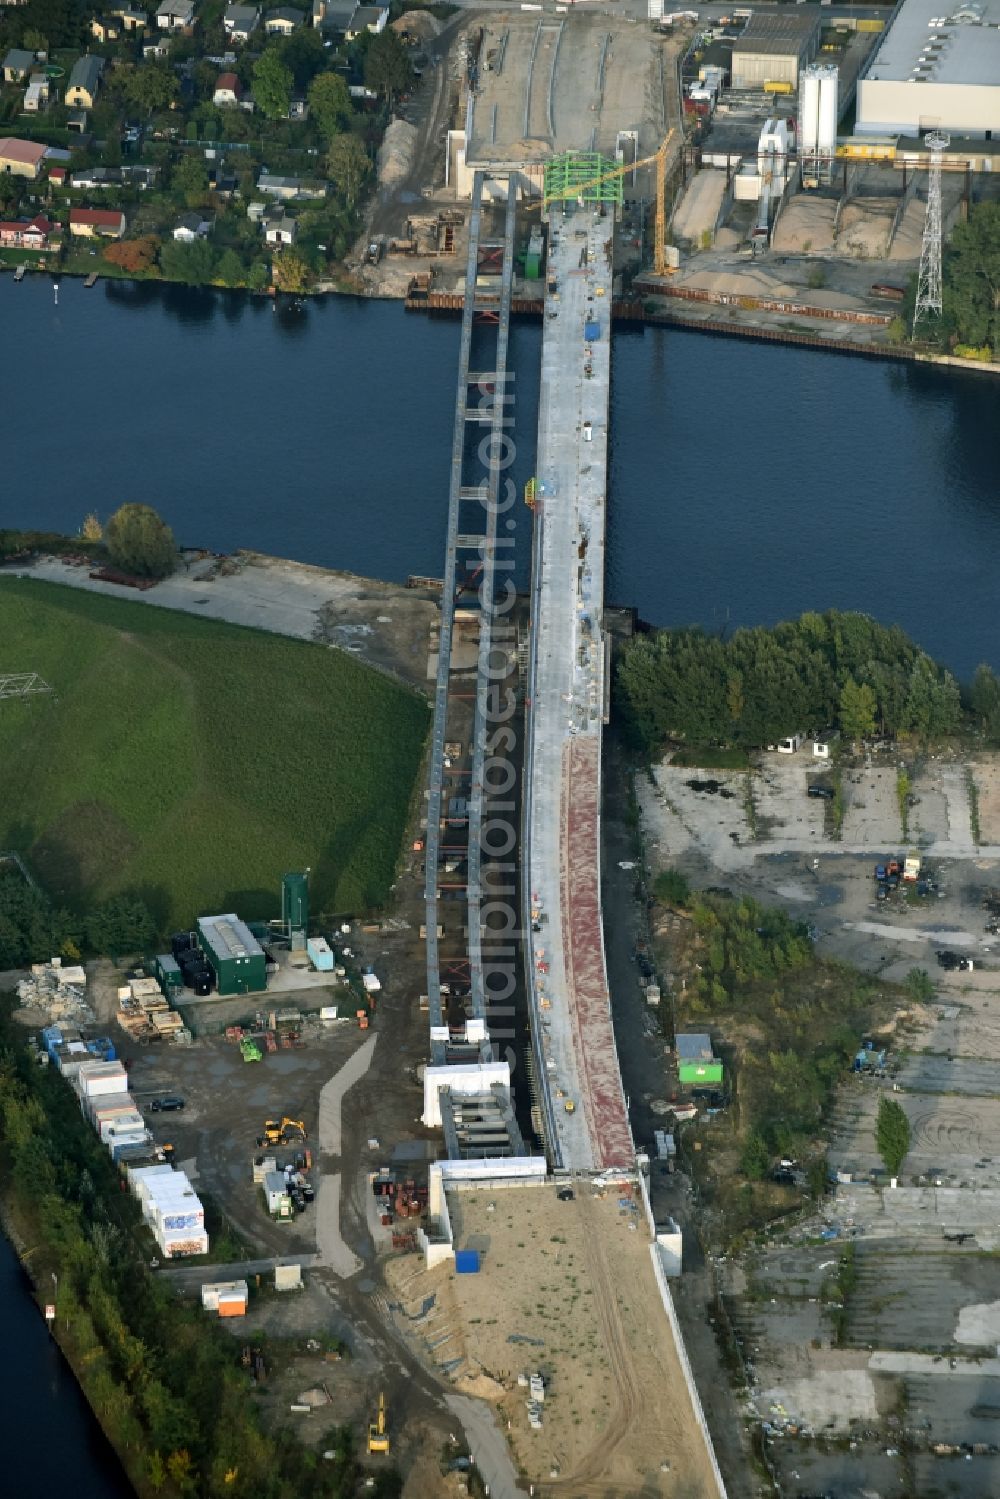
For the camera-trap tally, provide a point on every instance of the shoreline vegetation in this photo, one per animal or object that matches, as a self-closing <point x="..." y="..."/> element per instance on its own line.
<point x="165" y="1384"/>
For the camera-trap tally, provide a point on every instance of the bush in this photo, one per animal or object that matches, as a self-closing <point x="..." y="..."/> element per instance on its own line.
<point x="140" y="542"/>
<point x="672" y="888"/>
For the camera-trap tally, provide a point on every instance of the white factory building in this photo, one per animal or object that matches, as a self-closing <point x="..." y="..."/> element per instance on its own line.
<point x="938" y="67"/>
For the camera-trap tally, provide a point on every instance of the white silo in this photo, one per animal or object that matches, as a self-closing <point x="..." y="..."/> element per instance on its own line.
<point x="829" y="113"/>
<point x="808" y="112"/>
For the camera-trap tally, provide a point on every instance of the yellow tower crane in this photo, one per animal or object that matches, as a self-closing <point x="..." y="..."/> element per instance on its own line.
<point x="659" y="158"/>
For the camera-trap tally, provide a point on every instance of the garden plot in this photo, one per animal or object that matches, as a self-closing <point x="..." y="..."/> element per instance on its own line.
<point x="781" y="801"/>
<point x="871" y="809"/>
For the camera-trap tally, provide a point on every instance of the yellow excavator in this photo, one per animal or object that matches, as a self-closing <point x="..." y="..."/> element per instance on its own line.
<point x="378" y="1437"/>
<point x="281" y="1132"/>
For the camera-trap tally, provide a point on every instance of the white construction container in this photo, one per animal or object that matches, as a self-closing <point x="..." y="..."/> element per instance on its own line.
<point x="99" y="1079"/>
<point x="223" y="1290"/>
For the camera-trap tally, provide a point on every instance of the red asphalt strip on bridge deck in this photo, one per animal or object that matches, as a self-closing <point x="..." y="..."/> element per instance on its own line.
<point x="603" y="1102"/>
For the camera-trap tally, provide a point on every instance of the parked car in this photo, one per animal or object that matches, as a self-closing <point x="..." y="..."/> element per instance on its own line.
<point x="826" y="793"/>
<point x="167" y="1105"/>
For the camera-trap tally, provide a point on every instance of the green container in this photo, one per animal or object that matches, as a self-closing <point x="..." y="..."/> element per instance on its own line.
<point x="234" y="955"/>
<point x="167" y="970"/>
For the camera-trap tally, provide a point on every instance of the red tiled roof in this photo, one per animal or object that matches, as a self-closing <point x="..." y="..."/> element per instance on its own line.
<point x="96" y="217"/>
<point x="229" y="81"/>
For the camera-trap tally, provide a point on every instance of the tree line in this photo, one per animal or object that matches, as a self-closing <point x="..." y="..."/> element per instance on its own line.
<point x="33" y="930"/>
<point x="822" y="671"/>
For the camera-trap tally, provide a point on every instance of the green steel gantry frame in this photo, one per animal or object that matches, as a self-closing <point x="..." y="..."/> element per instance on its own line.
<point x="582" y="175"/>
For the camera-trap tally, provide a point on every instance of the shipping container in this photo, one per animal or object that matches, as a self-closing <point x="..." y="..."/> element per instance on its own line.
<point x="467" y="1261"/>
<point x="320" y="954"/>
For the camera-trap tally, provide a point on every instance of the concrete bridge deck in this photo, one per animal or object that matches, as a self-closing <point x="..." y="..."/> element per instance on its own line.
<point x="587" y="1120"/>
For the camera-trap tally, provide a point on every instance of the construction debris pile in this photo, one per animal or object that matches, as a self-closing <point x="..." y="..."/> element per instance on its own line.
<point x="59" y="991"/>
<point x="395" y="156"/>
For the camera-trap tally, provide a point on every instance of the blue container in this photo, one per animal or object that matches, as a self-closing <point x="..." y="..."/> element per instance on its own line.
<point x="591" y="332"/>
<point x="467" y="1261"/>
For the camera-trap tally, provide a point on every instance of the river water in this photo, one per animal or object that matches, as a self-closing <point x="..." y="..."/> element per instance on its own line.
<point x="53" y="1446"/>
<point x="748" y="482"/>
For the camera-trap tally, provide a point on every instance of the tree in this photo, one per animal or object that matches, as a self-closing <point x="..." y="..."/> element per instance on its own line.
<point x="190" y="177"/>
<point x="148" y="86"/>
<point x="140" y="542"/>
<point x="303" y="52"/>
<point x="919" y="985"/>
<point x="892" y="1134"/>
<point x="133" y="255"/>
<point x="123" y="924"/>
<point x="230" y="270"/>
<point x="985" y="699"/>
<point x="387" y="67"/>
<point x="10" y="189"/>
<point x="972" y="277"/>
<point x="755" y="1157"/>
<point x="329" y="103"/>
<point x="272" y="85"/>
<point x="290" y="272"/>
<point x="858" y="706"/>
<point x="347" y="166"/>
<point x="193" y="264"/>
<point x="671" y="887"/>
<point x="92" y="530"/>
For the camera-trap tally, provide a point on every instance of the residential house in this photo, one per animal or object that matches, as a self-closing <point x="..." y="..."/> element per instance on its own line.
<point x="17" y="65"/>
<point x="228" y="90"/>
<point x="21" y="158"/>
<point x="89" y="178"/>
<point x="280" y="232"/>
<point x="155" y="50"/>
<point x="175" y="15"/>
<point x="283" y="21"/>
<point x="58" y="176"/>
<point x="367" y="18"/>
<point x="97" y="223"/>
<point x="278" y="187"/>
<point x="133" y="20"/>
<point x="221" y="182"/>
<point x="37" y="94"/>
<point x="298" y="109"/>
<point x="26" y="234"/>
<point x="333" y="15"/>
<point x="84" y="81"/>
<point x="240" y="21"/>
<point x="191" y="226"/>
<point x="106" y="28"/>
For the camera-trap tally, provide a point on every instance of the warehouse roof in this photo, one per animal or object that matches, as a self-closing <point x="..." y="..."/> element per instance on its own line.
<point x="694" y="1046"/>
<point x="779" y="35"/>
<point x="229" y="937"/>
<point x="930" y="43"/>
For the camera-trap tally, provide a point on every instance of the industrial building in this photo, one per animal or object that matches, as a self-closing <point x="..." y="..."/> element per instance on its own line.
<point x="772" y="49"/>
<point x="234" y="954"/>
<point x="935" y="69"/>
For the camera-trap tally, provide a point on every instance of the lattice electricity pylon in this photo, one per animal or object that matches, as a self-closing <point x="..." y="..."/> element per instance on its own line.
<point x="929" y="278"/>
<point x="22" y="684"/>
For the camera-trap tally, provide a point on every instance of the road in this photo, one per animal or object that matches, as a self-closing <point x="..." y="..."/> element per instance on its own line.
<point x="487" y="1445"/>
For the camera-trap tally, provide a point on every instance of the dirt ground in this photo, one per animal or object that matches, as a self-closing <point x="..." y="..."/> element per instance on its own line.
<point x="565" y="1290"/>
<point x="383" y="624"/>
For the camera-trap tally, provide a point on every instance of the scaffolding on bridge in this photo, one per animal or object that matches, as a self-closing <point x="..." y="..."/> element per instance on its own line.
<point x="582" y="177"/>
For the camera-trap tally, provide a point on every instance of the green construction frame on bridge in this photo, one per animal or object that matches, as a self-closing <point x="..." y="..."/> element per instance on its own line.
<point x="585" y="175"/>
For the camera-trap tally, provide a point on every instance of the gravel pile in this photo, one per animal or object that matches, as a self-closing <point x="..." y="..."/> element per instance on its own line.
<point x="395" y="156"/>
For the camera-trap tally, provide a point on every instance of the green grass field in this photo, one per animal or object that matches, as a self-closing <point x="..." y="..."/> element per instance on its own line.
<point x="194" y="762"/>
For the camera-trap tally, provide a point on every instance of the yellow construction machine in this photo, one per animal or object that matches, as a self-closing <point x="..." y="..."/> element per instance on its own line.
<point x="281" y="1132"/>
<point x="378" y="1437"/>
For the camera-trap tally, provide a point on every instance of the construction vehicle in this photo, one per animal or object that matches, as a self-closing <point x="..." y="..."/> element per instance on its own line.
<point x="281" y="1132"/>
<point x="659" y="158"/>
<point x="378" y="1437"/>
<point x="249" y="1050"/>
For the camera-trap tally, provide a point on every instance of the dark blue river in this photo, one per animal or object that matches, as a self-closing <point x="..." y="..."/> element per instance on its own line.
<point x="748" y="481"/>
